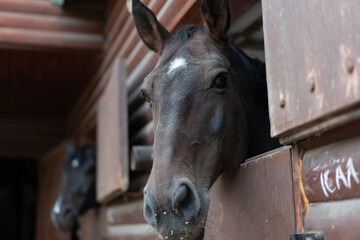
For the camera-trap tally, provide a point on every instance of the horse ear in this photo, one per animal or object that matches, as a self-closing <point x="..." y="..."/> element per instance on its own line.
<point x="150" y="30"/>
<point x="217" y="16"/>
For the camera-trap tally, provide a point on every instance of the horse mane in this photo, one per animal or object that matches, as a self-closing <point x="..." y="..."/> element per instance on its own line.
<point x="257" y="70"/>
<point x="183" y="34"/>
<point x="255" y="85"/>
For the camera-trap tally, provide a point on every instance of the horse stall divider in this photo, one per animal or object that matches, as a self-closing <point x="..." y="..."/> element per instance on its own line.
<point x="49" y="187"/>
<point x="112" y="137"/>
<point x="255" y="201"/>
<point x="93" y="224"/>
<point x="313" y="65"/>
<point x="337" y="220"/>
<point x="313" y="61"/>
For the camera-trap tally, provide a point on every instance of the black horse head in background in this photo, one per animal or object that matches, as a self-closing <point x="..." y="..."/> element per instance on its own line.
<point x="78" y="187"/>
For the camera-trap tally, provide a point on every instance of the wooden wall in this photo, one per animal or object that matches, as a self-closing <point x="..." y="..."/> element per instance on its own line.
<point x="313" y="82"/>
<point x="49" y="187"/>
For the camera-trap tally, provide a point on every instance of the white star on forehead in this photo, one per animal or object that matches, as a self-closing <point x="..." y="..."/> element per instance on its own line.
<point x="178" y="62"/>
<point x="75" y="162"/>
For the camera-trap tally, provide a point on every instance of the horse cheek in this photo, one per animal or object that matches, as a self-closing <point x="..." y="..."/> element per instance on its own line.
<point x="217" y="122"/>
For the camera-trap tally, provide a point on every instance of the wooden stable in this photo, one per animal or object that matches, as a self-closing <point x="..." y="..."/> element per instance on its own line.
<point x="74" y="72"/>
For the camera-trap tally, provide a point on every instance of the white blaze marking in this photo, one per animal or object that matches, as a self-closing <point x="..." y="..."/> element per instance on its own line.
<point x="57" y="205"/>
<point x="75" y="163"/>
<point x="179" y="62"/>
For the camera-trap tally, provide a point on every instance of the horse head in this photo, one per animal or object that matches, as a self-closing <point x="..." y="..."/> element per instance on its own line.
<point x="200" y="93"/>
<point x="78" y="187"/>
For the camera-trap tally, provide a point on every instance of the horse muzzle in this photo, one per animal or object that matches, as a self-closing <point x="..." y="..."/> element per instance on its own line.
<point x="64" y="219"/>
<point x="179" y="216"/>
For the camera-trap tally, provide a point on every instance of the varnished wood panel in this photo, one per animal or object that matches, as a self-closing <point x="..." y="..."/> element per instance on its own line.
<point x="43" y="84"/>
<point x="49" y="187"/>
<point x="313" y="72"/>
<point x="126" y="213"/>
<point x="92" y="224"/>
<point x="48" y="22"/>
<point x="42" y="25"/>
<point x="112" y="137"/>
<point x="44" y="8"/>
<point x="132" y="232"/>
<point x="255" y="201"/>
<point x="18" y="38"/>
<point x="337" y="220"/>
<point x="332" y="172"/>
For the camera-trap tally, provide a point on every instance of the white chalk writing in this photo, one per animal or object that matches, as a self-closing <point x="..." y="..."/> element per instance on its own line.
<point x="327" y="183"/>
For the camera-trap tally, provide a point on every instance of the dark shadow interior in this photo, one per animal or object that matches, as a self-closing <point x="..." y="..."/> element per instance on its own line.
<point x="18" y="183"/>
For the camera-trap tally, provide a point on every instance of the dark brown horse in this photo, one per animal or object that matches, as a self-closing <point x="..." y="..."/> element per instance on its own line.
<point x="210" y="113"/>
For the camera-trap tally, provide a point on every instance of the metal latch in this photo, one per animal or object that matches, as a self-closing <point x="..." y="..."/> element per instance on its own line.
<point x="307" y="236"/>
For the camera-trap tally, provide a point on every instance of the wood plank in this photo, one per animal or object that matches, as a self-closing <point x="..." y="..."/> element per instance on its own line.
<point x="119" y="27"/>
<point x="45" y="22"/>
<point x="14" y="38"/>
<point x="4" y="83"/>
<point x="92" y="224"/>
<point x="140" y="118"/>
<point x="320" y="90"/>
<point x="126" y="213"/>
<point x="337" y="220"/>
<point x="296" y="153"/>
<point x="332" y="172"/>
<point x="255" y="201"/>
<point x="44" y="8"/>
<point x="132" y="232"/>
<point x="15" y="76"/>
<point x="48" y="190"/>
<point x="141" y="158"/>
<point x="112" y="137"/>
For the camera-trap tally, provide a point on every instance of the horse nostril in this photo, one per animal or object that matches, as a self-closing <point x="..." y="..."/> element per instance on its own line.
<point x="68" y="212"/>
<point x="150" y="210"/>
<point x="186" y="201"/>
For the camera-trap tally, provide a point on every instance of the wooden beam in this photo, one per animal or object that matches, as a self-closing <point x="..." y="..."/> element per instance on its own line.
<point x="112" y="135"/>
<point x="46" y="22"/>
<point x="141" y="158"/>
<point x="15" y="38"/>
<point x="44" y="8"/>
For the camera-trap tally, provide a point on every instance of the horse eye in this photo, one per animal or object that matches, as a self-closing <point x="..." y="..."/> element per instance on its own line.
<point x="145" y="95"/>
<point x="220" y="81"/>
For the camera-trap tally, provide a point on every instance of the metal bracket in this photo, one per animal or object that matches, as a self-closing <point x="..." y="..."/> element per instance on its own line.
<point x="307" y="236"/>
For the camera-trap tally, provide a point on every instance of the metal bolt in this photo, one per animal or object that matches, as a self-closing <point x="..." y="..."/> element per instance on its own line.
<point x="311" y="83"/>
<point x="282" y="100"/>
<point x="349" y="65"/>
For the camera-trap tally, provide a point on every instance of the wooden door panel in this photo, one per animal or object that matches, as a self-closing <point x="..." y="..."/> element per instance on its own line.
<point x="313" y="65"/>
<point x="255" y="201"/>
<point x="112" y="137"/>
<point x="337" y="220"/>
